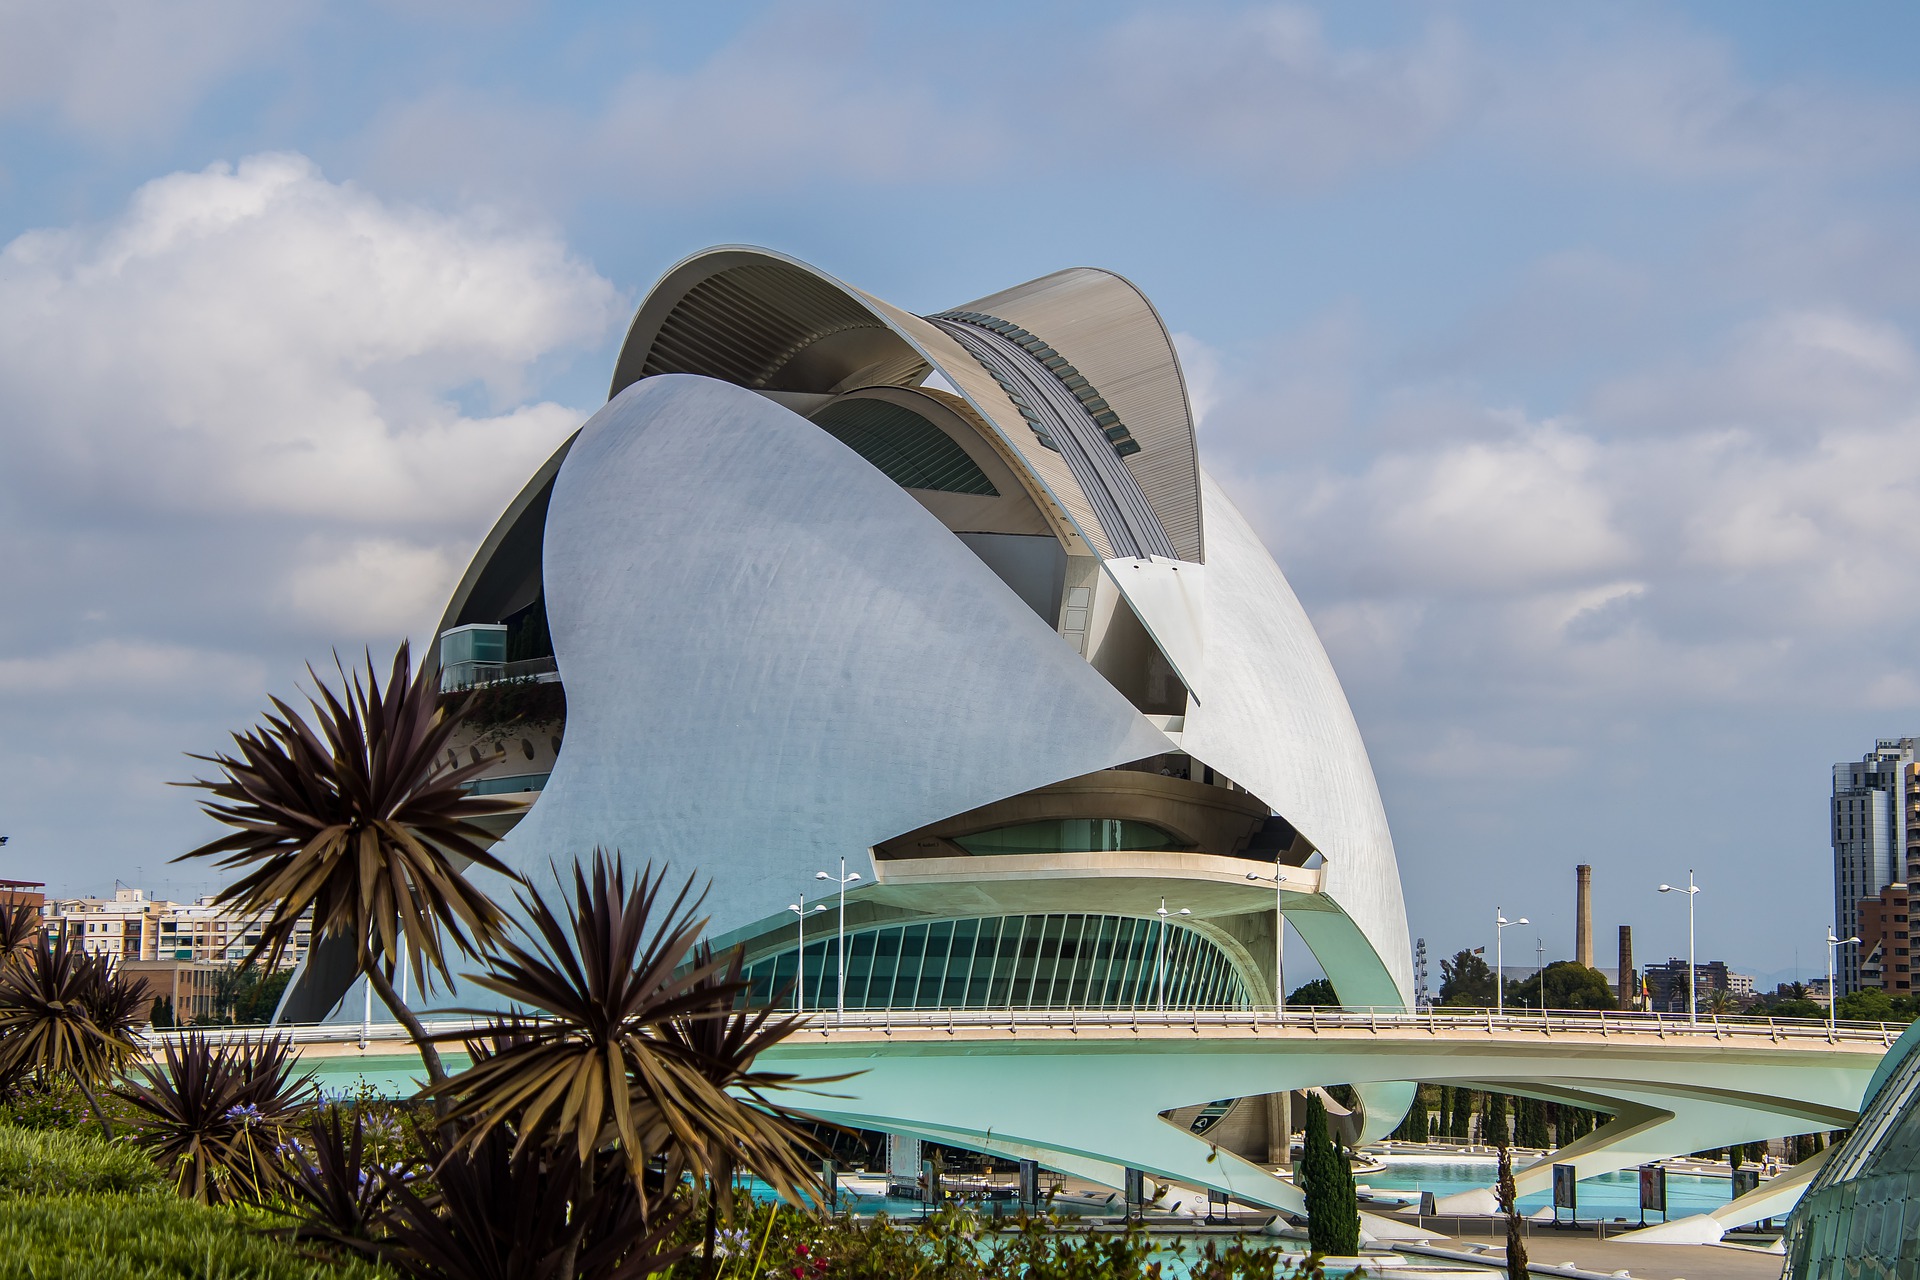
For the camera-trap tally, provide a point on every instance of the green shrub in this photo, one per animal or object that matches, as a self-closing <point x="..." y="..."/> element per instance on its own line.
<point x="147" y="1237"/>
<point x="60" y="1162"/>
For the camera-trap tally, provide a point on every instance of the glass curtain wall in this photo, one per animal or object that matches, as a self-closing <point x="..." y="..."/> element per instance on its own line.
<point x="1007" y="962"/>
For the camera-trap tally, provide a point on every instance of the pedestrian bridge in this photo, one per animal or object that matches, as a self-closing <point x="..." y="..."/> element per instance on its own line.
<point x="1084" y="1090"/>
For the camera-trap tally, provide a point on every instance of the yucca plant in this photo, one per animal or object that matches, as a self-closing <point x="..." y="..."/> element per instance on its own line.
<point x="213" y="1116"/>
<point x="64" y="1012"/>
<point x="358" y="818"/>
<point x="612" y="1050"/>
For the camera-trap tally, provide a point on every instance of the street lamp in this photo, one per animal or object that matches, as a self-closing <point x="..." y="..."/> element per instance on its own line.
<point x="1833" y="949"/>
<point x="1278" y="880"/>
<point x="1693" y="1005"/>
<point x="1160" y="965"/>
<point x="800" y="956"/>
<point x="1500" y="923"/>
<point x="846" y="878"/>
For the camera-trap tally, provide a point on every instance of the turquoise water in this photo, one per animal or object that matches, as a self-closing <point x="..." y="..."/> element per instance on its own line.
<point x="1612" y="1195"/>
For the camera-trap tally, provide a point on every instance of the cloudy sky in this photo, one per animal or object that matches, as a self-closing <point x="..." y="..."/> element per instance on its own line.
<point x="1566" y="357"/>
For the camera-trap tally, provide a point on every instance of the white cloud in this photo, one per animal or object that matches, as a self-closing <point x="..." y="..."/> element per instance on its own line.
<point x="127" y="67"/>
<point x="128" y="667"/>
<point x="373" y="586"/>
<point x="255" y="337"/>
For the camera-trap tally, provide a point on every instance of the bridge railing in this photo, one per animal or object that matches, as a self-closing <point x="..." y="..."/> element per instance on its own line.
<point x="1307" y="1021"/>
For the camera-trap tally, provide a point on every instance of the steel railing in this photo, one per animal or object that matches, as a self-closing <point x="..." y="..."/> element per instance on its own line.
<point x="1306" y="1021"/>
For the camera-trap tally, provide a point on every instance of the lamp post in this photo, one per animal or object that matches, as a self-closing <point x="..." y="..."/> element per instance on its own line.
<point x="1160" y="965"/>
<point x="1833" y="949"/>
<point x="1500" y="923"/>
<point x="1278" y="879"/>
<point x="800" y="954"/>
<point x="1693" y="1005"/>
<point x="846" y="878"/>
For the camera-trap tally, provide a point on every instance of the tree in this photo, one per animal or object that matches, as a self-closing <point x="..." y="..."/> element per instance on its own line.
<point x="1319" y="992"/>
<point x="1569" y="985"/>
<point x="1333" y="1210"/>
<point x="1507" y="1193"/>
<point x="1460" y="1124"/>
<point x="1413" y="1127"/>
<point x="64" y="1012"/>
<point x="1466" y="981"/>
<point x="359" y="819"/>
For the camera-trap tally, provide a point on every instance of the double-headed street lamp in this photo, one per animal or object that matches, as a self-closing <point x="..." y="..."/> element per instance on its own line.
<point x="846" y="878"/>
<point x="1160" y="965"/>
<point x="1833" y="949"/>
<point x="1279" y="882"/>
<point x="800" y="955"/>
<point x="1500" y="923"/>
<point x="1693" y="1005"/>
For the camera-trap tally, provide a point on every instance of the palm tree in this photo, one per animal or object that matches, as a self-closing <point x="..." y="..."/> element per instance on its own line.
<point x="359" y="818"/>
<point x="63" y="1011"/>
<point x="18" y="925"/>
<point x="618" y="1047"/>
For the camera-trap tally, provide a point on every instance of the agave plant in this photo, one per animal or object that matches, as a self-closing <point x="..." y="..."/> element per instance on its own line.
<point x="214" y="1116"/>
<point x="64" y="1012"/>
<point x="618" y="1053"/>
<point x="503" y="1211"/>
<point x="358" y="818"/>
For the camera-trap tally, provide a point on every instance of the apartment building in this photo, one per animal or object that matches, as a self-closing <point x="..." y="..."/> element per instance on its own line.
<point x="132" y="925"/>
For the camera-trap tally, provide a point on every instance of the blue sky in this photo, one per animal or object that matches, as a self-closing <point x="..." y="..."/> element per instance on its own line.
<point x="1565" y="356"/>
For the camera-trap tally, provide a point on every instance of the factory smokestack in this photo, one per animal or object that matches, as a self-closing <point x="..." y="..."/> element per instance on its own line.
<point x="1583" y="930"/>
<point x="1627" y="988"/>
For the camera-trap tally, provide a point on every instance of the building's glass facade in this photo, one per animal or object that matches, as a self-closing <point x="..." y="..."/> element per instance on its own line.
<point x="1860" y="1220"/>
<point x="1008" y="962"/>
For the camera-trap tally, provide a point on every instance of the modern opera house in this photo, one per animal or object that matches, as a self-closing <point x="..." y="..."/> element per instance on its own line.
<point x="948" y="597"/>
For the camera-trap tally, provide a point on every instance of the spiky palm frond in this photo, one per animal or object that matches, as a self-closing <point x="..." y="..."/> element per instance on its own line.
<point x="616" y="1049"/>
<point x="764" y="1136"/>
<point x="213" y="1116"/>
<point x="358" y="818"/>
<point x="18" y="926"/>
<point x="600" y="977"/>
<point x="64" y="1012"/>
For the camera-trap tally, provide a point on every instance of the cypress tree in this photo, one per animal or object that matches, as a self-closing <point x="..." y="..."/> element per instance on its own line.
<point x="1458" y="1123"/>
<point x="1326" y="1176"/>
<point x="1506" y="1192"/>
<point x="1417" y="1118"/>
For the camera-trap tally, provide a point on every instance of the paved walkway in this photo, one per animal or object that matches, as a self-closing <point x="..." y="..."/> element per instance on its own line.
<point x="1641" y="1261"/>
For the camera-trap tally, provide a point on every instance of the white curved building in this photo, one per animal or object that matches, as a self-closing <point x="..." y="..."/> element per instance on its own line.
<point x="949" y="597"/>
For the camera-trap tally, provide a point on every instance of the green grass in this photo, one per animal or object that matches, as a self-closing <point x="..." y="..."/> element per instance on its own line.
<point x="52" y="1162"/>
<point x="146" y="1237"/>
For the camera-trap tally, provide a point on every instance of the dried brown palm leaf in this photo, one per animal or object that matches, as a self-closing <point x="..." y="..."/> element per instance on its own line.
<point x="358" y="818"/>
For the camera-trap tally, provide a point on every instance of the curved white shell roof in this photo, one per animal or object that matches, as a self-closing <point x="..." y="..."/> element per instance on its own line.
<point x="774" y="656"/>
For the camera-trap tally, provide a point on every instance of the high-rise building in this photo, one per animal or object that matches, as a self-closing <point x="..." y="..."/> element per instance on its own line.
<point x="1873" y="798"/>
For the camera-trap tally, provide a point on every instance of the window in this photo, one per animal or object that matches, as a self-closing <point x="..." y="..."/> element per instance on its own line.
<point x="1071" y="835"/>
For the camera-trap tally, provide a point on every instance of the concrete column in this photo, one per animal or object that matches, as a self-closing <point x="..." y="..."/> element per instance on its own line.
<point x="1280" y="1128"/>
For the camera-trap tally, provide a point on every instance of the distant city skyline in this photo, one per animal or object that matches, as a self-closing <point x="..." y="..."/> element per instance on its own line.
<point x="1568" y="360"/>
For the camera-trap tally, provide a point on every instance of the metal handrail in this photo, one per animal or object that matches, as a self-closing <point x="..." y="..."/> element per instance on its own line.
<point x="1314" y="1020"/>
